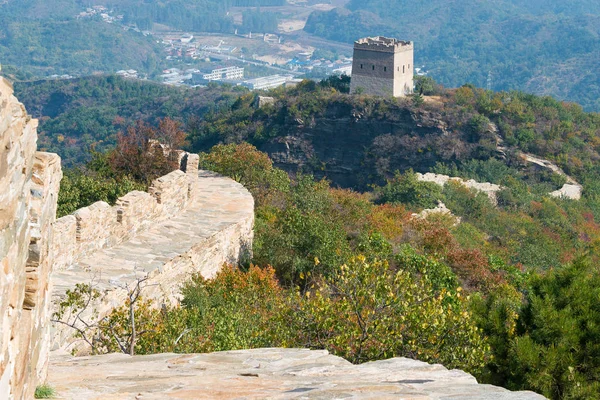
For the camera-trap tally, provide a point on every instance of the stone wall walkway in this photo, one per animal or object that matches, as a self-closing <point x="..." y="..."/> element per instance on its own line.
<point x="215" y="228"/>
<point x="263" y="374"/>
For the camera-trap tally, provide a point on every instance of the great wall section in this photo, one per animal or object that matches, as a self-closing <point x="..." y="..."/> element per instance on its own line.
<point x="189" y="221"/>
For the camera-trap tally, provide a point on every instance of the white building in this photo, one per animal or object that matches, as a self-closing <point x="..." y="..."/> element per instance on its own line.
<point x="221" y="74"/>
<point x="225" y="73"/>
<point x="266" y="82"/>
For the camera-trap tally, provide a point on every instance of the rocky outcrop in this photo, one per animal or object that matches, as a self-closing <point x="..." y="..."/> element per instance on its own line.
<point x="29" y="183"/>
<point x="263" y="373"/>
<point x="354" y="147"/>
<point x="262" y="101"/>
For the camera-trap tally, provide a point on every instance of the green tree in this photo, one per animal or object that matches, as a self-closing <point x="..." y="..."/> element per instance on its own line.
<point x="407" y="189"/>
<point x="557" y="352"/>
<point x="366" y="311"/>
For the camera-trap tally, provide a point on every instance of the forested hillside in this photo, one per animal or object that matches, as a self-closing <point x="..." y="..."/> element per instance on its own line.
<point x="79" y="114"/>
<point x="361" y="141"/>
<point x="44" y="37"/>
<point x="195" y="15"/>
<point x="539" y="47"/>
<point x="360" y="275"/>
<point x="506" y="290"/>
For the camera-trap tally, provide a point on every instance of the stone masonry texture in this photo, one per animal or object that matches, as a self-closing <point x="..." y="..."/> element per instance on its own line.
<point x="29" y="183"/>
<point x="382" y="67"/>
<point x="263" y="374"/>
<point x="214" y="228"/>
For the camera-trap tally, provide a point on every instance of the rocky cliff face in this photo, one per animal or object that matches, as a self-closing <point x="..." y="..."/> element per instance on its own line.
<point x="29" y="183"/>
<point x="354" y="147"/>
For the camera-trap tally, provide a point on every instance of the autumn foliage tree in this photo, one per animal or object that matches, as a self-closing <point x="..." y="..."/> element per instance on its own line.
<point x="145" y="152"/>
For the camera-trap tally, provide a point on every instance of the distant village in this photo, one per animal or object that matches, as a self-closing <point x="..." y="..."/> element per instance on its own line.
<point x="226" y="63"/>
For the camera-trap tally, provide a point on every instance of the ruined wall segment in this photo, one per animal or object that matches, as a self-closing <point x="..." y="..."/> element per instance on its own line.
<point x="29" y="182"/>
<point x="382" y="67"/>
<point x="171" y="192"/>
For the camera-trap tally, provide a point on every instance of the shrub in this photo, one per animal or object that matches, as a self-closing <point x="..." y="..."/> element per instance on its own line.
<point x="408" y="190"/>
<point x="367" y="312"/>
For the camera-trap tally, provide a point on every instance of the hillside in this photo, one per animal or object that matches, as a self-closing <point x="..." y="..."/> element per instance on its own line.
<point x="44" y="38"/>
<point x="357" y="140"/>
<point x="80" y="113"/>
<point x="361" y="142"/>
<point x="177" y="238"/>
<point x="547" y="48"/>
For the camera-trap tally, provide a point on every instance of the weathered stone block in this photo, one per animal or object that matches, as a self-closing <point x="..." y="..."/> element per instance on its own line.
<point x="171" y="192"/>
<point x="95" y="225"/>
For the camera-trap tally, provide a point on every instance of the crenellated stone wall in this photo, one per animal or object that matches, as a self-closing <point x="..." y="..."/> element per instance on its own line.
<point x="29" y="183"/>
<point x="101" y="226"/>
<point x="215" y="227"/>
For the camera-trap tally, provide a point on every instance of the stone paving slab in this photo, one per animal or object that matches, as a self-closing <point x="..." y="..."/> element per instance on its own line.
<point x="263" y="374"/>
<point x="218" y="202"/>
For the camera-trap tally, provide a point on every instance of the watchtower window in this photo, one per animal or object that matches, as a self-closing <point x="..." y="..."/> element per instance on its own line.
<point x="408" y="66"/>
<point x="403" y="68"/>
<point x="384" y="69"/>
<point x="361" y="66"/>
<point x="373" y="68"/>
<point x="398" y="69"/>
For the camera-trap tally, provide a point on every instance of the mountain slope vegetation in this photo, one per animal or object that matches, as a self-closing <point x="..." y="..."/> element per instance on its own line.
<point x="506" y="291"/>
<point x="43" y="38"/>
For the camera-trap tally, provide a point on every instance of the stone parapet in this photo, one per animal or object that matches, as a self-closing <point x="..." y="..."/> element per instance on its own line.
<point x="490" y="189"/>
<point x="136" y="212"/>
<point x="171" y="192"/>
<point x="95" y="225"/>
<point x="383" y="44"/>
<point x="101" y="226"/>
<point x="215" y="228"/>
<point x="64" y="246"/>
<point x="191" y="169"/>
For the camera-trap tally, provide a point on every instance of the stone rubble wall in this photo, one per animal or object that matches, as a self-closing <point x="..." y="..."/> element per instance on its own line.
<point x="101" y="226"/>
<point x="29" y="183"/>
<point x="570" y="190"/>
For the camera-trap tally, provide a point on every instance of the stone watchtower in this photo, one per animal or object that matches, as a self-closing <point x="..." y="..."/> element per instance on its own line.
<point x="382" y="67"/>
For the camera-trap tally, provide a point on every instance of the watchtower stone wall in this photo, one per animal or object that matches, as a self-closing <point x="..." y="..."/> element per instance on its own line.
<point x="383" y="67"/>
